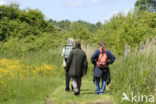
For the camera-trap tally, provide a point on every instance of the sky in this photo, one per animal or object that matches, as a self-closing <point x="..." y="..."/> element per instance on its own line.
<point x="92" y="11"/>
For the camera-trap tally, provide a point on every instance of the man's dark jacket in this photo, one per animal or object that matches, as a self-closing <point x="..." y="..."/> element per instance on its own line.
<point x="77" y="63"/>
<point x="105" y="73"/>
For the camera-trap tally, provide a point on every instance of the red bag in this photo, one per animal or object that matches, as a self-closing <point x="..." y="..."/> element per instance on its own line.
<point x="102" y="60"/>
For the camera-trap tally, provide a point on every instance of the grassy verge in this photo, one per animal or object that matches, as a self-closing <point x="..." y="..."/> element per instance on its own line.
<point x="134" y="74"/>
<point x="29" y="79"/>
<point x="29" y="91"/>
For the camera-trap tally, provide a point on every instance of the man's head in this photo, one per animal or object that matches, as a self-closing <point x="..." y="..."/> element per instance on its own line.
<point x="78" y="44"/>
<point x="102" y="45"/>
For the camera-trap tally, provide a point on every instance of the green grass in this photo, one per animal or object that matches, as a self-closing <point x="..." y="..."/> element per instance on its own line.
<point x="135" y="73"/>
<point x="87" y="94"/>
<point x="35" y="89"/>
<point x="29" y="90"/>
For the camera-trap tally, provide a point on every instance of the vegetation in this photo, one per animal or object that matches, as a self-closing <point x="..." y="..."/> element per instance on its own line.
<point x="134" y="74"/>
<point x="143" y="5"/>
<point x="31" y="61"/>
<point x="24" y="31"/>
<point x="29" y="79"/>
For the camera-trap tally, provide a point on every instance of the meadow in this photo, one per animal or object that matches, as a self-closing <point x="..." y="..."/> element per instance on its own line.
<point x="28" y="80"/>
<point x="38" y="78"/>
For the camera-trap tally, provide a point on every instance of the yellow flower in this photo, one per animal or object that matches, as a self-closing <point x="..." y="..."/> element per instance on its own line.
<point x="14" y="68"/>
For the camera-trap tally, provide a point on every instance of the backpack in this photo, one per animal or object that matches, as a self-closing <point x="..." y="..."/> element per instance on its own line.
<point x="102" y="60"/>
<point x="68" y="48"/>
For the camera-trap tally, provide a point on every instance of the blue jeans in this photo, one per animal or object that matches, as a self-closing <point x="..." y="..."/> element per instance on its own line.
<point x="99" y="90"/>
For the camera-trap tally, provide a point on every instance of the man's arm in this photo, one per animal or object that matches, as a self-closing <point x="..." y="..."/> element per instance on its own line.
<point x="69" y="61"/>
<point x="111" y="57"/>
<point x="85" y="65"/>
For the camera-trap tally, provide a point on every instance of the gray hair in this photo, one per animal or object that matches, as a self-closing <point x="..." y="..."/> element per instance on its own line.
<point x="70" y="41"/>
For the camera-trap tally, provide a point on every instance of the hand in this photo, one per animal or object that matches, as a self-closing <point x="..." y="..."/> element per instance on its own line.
<point x="84" y="74"/>
<point x="105" y="65"/>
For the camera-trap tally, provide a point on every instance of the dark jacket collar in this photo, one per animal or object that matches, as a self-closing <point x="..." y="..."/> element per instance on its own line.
<point x="76" y="48"/>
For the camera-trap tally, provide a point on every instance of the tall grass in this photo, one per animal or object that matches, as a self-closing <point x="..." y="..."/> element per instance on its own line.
<point x="135" y="73"/>
<point x="89" y="51"/>
<point x="29" y="88"/>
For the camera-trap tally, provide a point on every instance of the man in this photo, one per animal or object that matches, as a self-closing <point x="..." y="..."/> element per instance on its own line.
<point x="77" y="66"/>
<point x="65" y="54"/>
<point x="101" y="59"/>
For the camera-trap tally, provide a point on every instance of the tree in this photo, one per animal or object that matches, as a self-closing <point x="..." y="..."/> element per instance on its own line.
<point x="79" y="30"/>
<point x="98" y="24"/>
<point x="143" y="5"/>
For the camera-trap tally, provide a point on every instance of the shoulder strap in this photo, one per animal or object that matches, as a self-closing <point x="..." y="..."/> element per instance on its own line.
<point x="65" y="48"/>
<point x="102" y="51"/>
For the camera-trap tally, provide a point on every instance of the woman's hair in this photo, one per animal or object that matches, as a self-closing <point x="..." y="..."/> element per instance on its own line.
<point x="102" y="44"/>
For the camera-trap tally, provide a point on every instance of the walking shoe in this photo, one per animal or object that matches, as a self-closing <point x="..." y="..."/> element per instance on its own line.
<point x="101" y="93"/>
<point x="96" y="93"/>
<point x="67" y="89"/>
<point x="76" y="93"/>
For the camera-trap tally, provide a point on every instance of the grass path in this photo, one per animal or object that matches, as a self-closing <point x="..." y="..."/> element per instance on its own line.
<point x="87" y="96"/>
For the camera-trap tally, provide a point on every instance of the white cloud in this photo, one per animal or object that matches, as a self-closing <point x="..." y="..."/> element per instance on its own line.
<point x="95" y="1"/>
<point x="6" y="2"/>
<point x="3" y="2"/>
<point x="127" y="10"/>
<point x="90" y="3"/>
<point x="114" y="13"/>
<point x="74" y="3"/>
<point x="78" y="3"/>
<point x="107" y="18"/>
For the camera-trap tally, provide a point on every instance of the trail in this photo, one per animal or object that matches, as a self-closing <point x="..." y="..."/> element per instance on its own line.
<point x="87" y="95"/>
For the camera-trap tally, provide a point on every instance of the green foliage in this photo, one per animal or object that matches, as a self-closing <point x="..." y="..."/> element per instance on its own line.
<point x="131" y="29"/>
<point x="91" y="27"/>
<point x="143" y="5"/>
<point x="23" y="31"/>
<point x="79" y="31"/>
